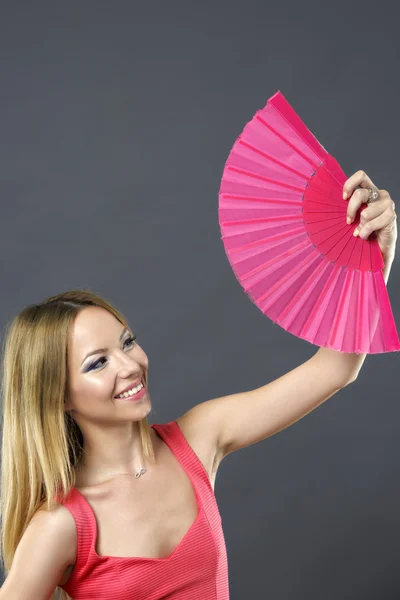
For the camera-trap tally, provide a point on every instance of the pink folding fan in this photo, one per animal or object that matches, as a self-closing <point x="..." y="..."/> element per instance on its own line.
<point x="283" y="224"/>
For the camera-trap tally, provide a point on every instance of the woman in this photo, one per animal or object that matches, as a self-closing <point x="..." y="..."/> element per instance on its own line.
<point x="94" y="501"/>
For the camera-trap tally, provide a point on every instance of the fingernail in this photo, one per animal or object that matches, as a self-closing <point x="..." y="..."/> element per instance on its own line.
<point x="344" y="195"/>
<point x="349" y="220"/>
<point x="356" y="232"/>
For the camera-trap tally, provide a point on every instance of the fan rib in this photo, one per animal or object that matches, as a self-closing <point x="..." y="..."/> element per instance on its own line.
<point x="319" y="300"/>
<point x="361" y="312"/>
<point x="272" y="261"/>
<point x="289" y="116"/>
<point x="279" y="236"/>
<point x="339" y="313"/>
<point x="289" y="217"/>
<point x="285" y="276"/>
<point x="272" y="159"/>
<point x="256" y="199"/>
<point x="263" y="178"/>
<point x="292" y="146"/>
<point x="313" y="278"/>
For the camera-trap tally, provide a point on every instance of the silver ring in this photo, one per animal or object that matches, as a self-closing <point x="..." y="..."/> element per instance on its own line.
<point x="373" y="195"/>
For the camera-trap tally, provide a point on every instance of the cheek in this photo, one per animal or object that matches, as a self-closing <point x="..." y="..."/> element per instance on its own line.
<point x="101" y="381"/>
<point x="99" y="387"/>
<point x="91" y="394"/>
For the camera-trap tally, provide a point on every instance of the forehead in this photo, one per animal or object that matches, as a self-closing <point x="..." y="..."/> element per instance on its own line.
<point x="93" y="325"/>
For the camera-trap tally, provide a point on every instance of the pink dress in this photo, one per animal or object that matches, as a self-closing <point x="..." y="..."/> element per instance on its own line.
<point x="196" y="570"/>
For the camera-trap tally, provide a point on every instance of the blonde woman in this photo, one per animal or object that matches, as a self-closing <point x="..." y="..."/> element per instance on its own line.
<point x="95" y="503"/>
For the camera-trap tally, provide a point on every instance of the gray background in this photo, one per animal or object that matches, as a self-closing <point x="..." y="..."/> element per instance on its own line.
<point x="116" y="121"/>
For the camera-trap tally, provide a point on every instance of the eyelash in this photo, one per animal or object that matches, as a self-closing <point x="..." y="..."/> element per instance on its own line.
<point x="129" y="339"/>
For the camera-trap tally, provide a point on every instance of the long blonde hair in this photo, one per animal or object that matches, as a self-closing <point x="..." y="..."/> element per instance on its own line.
<point x="41" y="442"/>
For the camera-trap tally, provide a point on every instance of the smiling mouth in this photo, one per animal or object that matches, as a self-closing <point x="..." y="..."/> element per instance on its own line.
<point x="138" y="388"/>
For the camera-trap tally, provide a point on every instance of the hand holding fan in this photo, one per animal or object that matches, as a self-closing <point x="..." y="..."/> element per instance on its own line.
<point x="283" y="224"/>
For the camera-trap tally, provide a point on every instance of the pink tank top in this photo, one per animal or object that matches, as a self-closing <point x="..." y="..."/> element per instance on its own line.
<point x="196" y="570"/>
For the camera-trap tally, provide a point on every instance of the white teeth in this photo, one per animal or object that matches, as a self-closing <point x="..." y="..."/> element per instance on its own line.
<point x="131" y="392"/>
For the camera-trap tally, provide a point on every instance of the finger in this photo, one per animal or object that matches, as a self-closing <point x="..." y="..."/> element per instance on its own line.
<point x="371" y="212"/>
<point x="374" y="225"/>
<point x="359" y="197"/>
<point x="374" y="209"/>
<point x="360" y="178"/>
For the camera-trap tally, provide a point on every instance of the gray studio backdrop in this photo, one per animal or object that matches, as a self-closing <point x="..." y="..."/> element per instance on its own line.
<point x="116" y="121"/>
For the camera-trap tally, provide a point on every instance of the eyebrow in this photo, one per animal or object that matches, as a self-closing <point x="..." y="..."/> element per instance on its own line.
<point x="104" y="349"/>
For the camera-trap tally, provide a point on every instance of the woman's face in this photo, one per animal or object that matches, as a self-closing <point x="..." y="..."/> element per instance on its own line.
<point x="97" y="376"/>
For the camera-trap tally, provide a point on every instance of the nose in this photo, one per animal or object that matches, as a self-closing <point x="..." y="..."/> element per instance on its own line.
<point x="128" y="366"/>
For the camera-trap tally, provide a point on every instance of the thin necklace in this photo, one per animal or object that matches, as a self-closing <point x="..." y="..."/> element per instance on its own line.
<point x="137" y="475"/>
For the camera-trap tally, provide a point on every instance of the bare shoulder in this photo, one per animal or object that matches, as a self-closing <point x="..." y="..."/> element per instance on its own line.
<point x="44" y="553"/>
<point x="61" y="522"/>
<point x="197" y="427"/>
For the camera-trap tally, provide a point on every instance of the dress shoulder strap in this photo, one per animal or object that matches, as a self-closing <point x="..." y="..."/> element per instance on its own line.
<point x="84" y="520"/>
<point x="173" y="436"/>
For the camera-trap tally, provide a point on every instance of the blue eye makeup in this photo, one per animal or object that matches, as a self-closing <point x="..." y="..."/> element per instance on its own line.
<point x="92" y="366"/>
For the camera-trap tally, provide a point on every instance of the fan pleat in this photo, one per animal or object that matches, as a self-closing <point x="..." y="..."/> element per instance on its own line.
<point x="313" y="162"/>
<point x="251" y="260"/>
<point x="263" y="178"/>
<point x="249" y="161"/>
<point x="243" y="146"/>
<point x="363" y="329"/>
<point x="342" y="309"/>
<point x="234" y="183"/>
<point x="388" y="323"/>
<point x="288" y="276"/>
<point x="285" y="114"/>
<point x="236" y="201"/>
<point x="377" y="317"/>
<point x="295" y="306"/>
<point x="322" y="305"/>
<point x="250" y="276"/>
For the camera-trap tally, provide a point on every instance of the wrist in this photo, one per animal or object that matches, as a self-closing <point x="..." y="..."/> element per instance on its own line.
<point x="387" y="268"/>
<point x="388" y="257"/>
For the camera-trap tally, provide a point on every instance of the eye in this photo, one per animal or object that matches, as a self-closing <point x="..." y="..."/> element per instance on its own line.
<point x="131" y="341"/>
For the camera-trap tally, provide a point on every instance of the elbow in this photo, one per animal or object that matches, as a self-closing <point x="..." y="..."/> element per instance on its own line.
<point x="351" y="379"/>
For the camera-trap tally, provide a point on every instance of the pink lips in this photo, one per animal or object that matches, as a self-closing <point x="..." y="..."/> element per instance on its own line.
<point x="130" y="386"/>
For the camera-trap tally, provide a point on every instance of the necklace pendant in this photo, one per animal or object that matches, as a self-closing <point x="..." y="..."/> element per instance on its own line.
<point x="141" y="472"/>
